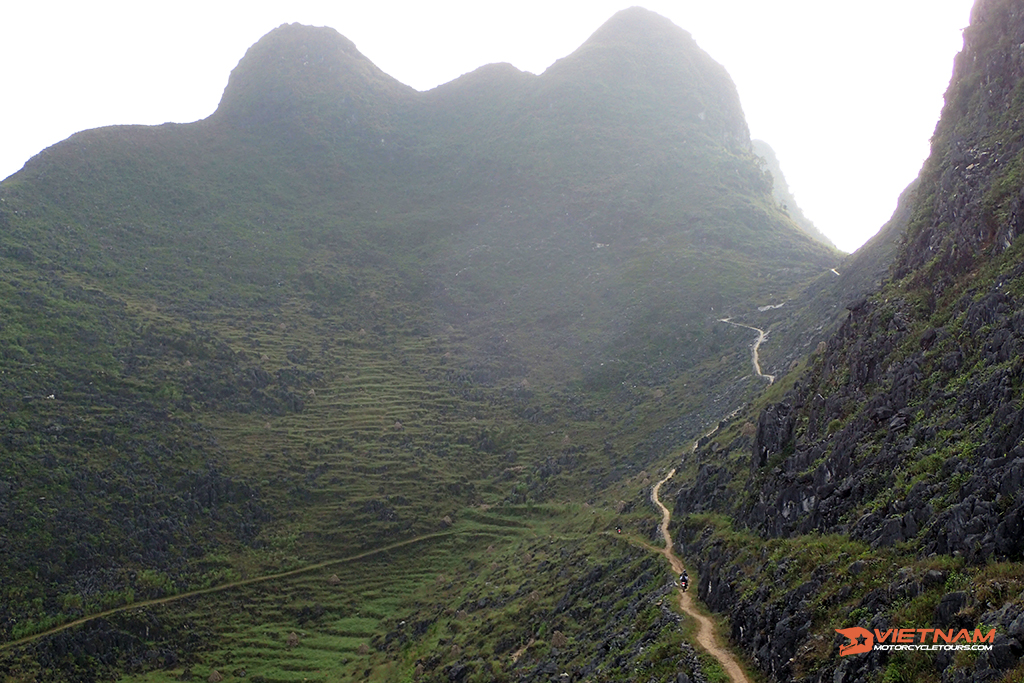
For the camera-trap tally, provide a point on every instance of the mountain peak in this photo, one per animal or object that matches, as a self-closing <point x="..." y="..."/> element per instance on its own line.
<point x="297" y="69"/>
<point x="637" y="24"/>
<point x="641" y="56"/>
<point x="639" y="31"/>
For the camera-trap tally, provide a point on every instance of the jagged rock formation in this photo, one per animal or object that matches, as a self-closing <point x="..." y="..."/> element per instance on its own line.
<point x="971" y="206"/>
<point x="893" y="375"/>
<point x="903" y="439"/>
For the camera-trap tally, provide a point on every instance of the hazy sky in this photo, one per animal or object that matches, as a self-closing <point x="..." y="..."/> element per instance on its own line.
<point x="847" y="93"/>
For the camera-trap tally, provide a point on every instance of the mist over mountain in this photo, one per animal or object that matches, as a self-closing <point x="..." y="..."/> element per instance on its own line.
<point x="780" y="190"/>
<point x="353" y="381"/>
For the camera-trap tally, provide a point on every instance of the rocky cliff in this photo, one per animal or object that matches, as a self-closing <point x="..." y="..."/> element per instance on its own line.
<point x="892" y="469"/>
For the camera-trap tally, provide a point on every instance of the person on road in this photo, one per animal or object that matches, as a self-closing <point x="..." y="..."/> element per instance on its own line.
<point x="684" y="580"/>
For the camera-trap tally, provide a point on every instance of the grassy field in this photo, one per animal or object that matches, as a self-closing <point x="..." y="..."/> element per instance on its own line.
<point x="505" y="590"/>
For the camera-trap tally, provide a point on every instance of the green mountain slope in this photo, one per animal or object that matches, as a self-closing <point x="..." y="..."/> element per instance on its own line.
<point x="881" y="488"/>
<point x="339" y="314"/>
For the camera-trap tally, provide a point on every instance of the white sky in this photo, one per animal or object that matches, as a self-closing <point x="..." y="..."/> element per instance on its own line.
<point x="847" y="93"/>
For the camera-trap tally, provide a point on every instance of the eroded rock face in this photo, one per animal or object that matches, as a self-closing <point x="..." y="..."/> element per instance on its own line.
<point x="954" y="426"/>
<point x="905" y="432"/>
<point x="774" y="628"/>
<point x="774" y="432"/>
<point x="975" y="206"/>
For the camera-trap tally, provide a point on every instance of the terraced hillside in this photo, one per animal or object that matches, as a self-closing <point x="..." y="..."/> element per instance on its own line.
<point x="339" y="314"/>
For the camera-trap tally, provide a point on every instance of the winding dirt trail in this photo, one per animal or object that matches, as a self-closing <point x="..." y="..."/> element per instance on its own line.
<point x="761" y="336"/>
<point x="216" y="589"/>
<point x="706" y="630"/>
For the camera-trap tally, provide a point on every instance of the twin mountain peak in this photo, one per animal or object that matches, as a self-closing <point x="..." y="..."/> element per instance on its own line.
<point x="636" y="53"/>
<point x="637" y="62"/>
<point x="340" y="314"/>
<point x="639" y="97"/>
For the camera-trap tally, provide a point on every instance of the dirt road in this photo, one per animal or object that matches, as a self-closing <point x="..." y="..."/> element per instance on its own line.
<point x="706" y="630"/>
<point x="761" y="336"/>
